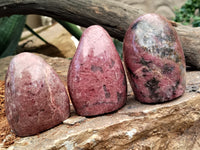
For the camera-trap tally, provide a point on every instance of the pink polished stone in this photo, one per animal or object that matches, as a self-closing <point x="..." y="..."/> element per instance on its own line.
<point x="154" y="59"/>
<point x="96" y="78"/>
<point x="35" y="97"/>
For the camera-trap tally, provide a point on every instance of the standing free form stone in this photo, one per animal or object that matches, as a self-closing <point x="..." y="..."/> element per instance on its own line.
<point x="35" y="97"/>
<point x="96" y="78"/>
<point x="154" y="59"/>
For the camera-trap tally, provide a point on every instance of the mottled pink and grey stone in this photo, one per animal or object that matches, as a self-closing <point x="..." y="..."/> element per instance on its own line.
<point x="96" y="77"/>
<point x="154" y="59"/>
<point x="35" y="97"/>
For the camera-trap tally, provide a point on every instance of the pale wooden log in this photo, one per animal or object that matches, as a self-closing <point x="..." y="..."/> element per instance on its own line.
<point x="114" y="16"/>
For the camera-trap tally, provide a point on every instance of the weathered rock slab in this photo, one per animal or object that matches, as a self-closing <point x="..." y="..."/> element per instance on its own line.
<point x="171" y="125"/>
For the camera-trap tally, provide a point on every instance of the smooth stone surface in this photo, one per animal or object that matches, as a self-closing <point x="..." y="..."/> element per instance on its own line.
<point x="96" y="78"/>
<point x="169" y="126"/>
<point x="35" y="97"/>
<point x="154" y="60"/>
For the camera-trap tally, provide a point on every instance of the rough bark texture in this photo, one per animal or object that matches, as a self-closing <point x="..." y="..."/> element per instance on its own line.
<point x="172" y="125"/>
<point x="114" y="16"/>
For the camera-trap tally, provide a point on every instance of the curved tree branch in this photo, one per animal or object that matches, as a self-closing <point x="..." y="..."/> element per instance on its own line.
<point x="114" y="16"/>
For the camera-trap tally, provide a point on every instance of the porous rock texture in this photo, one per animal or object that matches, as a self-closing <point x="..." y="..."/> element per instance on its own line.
<point x="154" y="59"/>
<point x="35" y="97"/>
<point x="96" y="77"/>
<point x="171" y="125"/>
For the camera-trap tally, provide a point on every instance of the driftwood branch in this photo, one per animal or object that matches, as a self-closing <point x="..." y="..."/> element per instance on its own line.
<point x="114" y="16"/>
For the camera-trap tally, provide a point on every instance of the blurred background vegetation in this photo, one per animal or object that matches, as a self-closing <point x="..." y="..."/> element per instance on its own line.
<point x="12" y="27"/>
<point x="189" y="13"/>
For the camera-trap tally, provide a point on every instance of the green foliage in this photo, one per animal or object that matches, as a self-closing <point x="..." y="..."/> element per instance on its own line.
<point x="119" y="46"/>
<point x="12" y="27"/>
<point x="189" y="13"/>
<point x="10" y="31"/>
<point x="35" y="33"/>
<point x="72" y="28"/>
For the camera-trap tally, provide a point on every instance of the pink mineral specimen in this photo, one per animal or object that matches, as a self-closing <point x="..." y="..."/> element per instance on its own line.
<point x="154" y="59"/>
<point x="35" y="97"/>
<point x="96" y="78"/>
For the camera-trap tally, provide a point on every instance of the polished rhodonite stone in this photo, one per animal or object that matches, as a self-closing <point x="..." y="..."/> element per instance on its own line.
<point x="96" y="78"/>
<point x="35" y="97"/>
<point x="154" y="59"/>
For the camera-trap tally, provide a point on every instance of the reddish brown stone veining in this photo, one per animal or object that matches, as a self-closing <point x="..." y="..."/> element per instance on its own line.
<point x="35" y="98"/>
<point x="154" y="59"/>
<point x="96" y="78"/>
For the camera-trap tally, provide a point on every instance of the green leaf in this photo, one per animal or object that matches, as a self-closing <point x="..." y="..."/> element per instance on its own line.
<point x="196" y="22"/>
<point x="119" y="47"/>
<point x="10" y="31"/>
<point x="72" y="28"/>
<point x="35" y="33"/>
